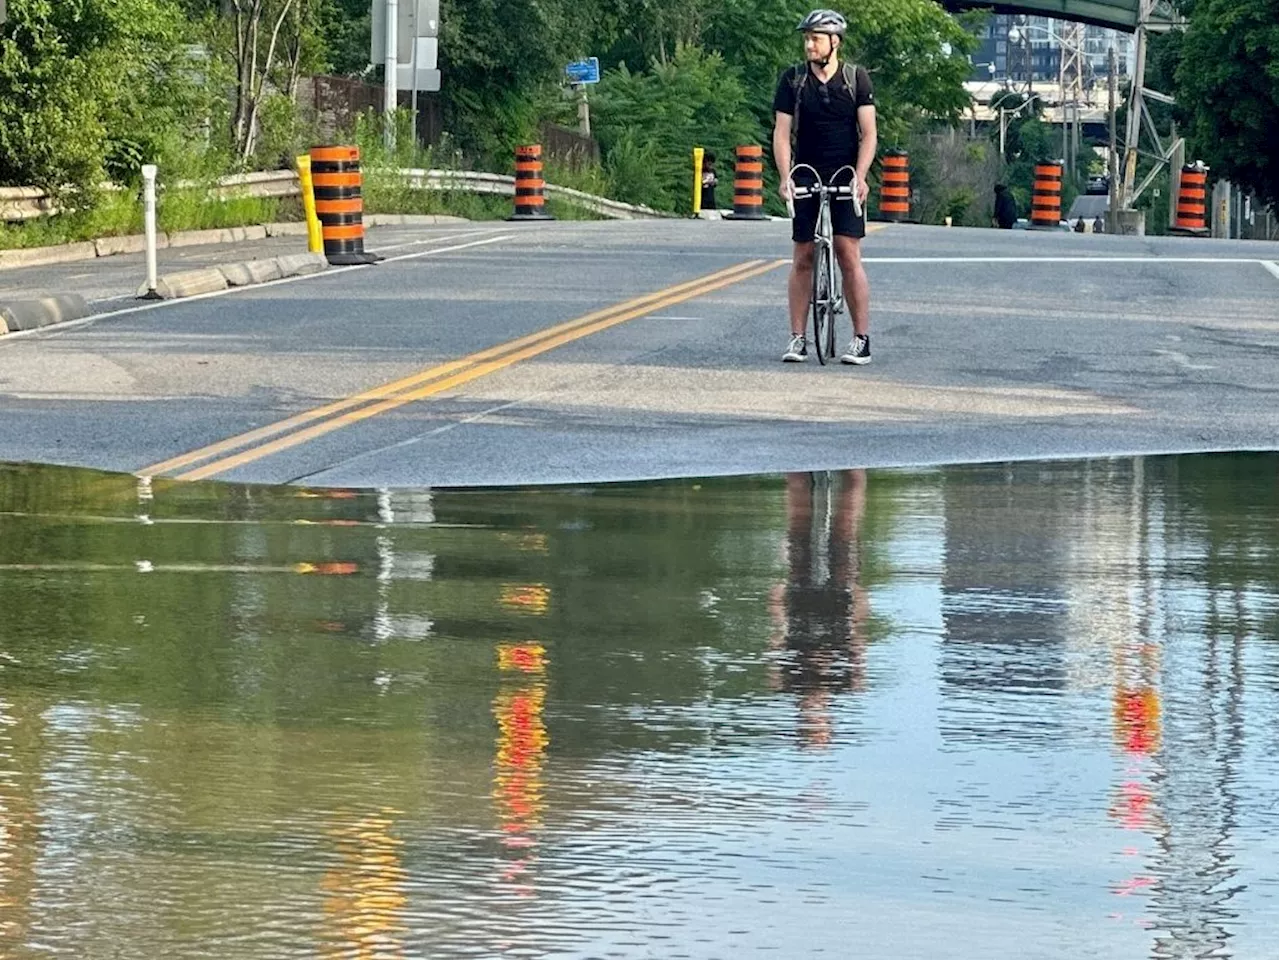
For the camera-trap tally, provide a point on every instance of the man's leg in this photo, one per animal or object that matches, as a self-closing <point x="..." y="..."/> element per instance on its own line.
<point x="857" y="290"/>
<point x="800" y="287"/>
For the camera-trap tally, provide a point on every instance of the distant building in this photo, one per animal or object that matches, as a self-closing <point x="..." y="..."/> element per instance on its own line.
<point x="1038" y="51"/>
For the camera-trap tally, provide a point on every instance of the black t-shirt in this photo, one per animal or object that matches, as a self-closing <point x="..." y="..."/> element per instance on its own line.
<point x="828" y="135"/>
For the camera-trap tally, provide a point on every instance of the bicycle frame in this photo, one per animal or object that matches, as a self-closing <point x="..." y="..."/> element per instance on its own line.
<point x="823" y="237"/>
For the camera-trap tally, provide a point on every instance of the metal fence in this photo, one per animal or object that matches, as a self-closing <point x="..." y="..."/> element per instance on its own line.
<point x="333" y="103"/>
<point x="568" y="146"/>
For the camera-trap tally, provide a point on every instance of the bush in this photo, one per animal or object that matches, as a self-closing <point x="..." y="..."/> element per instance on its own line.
<point x="90" y="90"/>
<point x="648" y="124"/>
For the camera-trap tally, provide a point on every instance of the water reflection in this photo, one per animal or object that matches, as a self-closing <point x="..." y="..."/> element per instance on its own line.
<point x="1022" y="709"/>
<point x="518" y="760"/>
<point x="820" y="611"/>
<point x="364" y="893"/>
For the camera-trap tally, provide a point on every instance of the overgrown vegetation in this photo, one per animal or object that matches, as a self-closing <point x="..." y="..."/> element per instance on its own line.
<point x="91" y="89"/>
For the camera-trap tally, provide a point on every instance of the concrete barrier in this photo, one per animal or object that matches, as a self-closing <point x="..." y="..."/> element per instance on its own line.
<point x="187" y="283"/>
<point x="190" y="283"/>
<point x="253" y="271"/>
<point x="300" y="264"/>
<point x="19" y="315"/>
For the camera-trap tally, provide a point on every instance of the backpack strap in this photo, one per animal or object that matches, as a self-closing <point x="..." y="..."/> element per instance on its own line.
<point x="799" y="75"/>
<point x="850" y="72"/>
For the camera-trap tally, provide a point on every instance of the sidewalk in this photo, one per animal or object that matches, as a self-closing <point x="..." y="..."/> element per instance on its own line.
<point x="106" y="280"/>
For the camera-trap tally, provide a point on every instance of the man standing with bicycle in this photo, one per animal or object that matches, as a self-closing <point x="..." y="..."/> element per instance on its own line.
<point x="838" y="110"/>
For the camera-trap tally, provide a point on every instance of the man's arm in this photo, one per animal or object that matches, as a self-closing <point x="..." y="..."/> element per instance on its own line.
<point x="866" y="147"/>
<point x="782" y="150"/>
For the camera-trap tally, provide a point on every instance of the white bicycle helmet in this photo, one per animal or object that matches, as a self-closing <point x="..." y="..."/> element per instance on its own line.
<point x="823" y="21"/>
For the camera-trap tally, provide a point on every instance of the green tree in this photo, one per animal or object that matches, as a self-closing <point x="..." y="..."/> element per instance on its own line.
<point x="502" y="61"/>
<point x="90" y="89"/>
<point x="1224" y="73"/>
<point x="648" y="123"/>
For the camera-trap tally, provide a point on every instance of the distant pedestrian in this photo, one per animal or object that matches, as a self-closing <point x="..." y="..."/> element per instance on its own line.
<point x="1079" y="227"/>
<point x="1006" y="212"/>
<point x="709" y="181"/>
<point x="1098" y="225"/>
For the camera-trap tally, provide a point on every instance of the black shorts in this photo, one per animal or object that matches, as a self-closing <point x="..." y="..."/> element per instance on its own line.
<point x="844" y="222"/>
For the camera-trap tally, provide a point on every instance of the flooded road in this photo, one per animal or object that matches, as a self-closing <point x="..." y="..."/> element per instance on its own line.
<point x="1005" y="710"/>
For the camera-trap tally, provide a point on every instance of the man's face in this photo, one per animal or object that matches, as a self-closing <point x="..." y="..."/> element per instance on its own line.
<point x="819" y="46"/>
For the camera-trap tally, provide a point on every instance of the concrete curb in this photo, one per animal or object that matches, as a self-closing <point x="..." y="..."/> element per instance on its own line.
<point x="298" y="229"/>
<point x="21" y="315"/>
<point x="191" y="283"/>
<point x="137" y="243"/>
<point x="410" y="219"/>
<point x="200" y="238"/>
<point x="38" y="256"/>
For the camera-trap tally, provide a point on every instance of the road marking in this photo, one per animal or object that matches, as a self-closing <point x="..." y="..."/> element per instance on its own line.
<point x="1272" y="267"/>
<point x="417" y="243"/>
<point x="1151" y="260"/>
<point x="161" y="304"/>
<point x="435" y="380"/>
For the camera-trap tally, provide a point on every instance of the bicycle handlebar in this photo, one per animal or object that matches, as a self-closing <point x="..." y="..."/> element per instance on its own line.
<point x="845" y="192"/>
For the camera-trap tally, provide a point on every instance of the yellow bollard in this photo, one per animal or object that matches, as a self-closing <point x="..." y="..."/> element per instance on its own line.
<point x="697" y="180"/>
<point x="315" y="239"/>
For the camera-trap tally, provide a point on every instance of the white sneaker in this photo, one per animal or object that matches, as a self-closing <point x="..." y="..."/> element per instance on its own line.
<point x="797" y="350"/>
<point x="858" y="352"/>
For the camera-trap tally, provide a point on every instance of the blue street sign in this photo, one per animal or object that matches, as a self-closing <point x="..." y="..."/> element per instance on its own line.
<point x="584" y="71"/>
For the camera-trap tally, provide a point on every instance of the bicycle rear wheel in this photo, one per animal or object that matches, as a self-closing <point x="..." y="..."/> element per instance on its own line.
<point x="822" y="306"/>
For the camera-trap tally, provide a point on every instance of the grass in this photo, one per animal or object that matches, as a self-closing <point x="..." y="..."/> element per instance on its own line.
<point x="120" y="214"/>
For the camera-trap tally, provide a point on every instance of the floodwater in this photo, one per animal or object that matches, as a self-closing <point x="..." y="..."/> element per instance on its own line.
<point x="1021" y="710"/>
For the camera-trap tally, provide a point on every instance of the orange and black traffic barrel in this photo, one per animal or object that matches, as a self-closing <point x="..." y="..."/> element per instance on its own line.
<point x="335" y="171"/>
<point x="531" y="199"/>
<point x="895" y="186"/>
<point x="1192" y="215"/>
<point x="748" y="184"/>
<point x="1046" y="195"/>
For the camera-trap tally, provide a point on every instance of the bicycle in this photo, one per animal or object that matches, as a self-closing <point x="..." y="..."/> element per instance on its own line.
<point x="828" y="289"/>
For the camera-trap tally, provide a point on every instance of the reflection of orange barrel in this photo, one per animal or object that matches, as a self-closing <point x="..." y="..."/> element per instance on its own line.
<point x="748" y="184"/>
<point x="335" y="172"/>
<point x="1191" y="216"/>
<point x="531" y="200"/>
<point x="895" y="186"/>
<point x="1046" y="195"/>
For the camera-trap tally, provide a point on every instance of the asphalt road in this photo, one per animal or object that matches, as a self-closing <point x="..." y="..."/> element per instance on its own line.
<point x="987" y="345"/>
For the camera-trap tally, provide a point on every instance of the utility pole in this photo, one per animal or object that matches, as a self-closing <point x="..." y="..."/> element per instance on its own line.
<point x="584" y="112"/>
<point x="1113" y="167"/>
<point x="389" y="70"/>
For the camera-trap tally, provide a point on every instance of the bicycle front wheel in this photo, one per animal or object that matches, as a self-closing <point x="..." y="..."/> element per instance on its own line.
<point x="822" y="305"/>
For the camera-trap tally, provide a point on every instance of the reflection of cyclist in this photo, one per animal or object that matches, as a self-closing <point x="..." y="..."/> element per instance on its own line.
<point x="820" y="614"/>
<point x="831" y="110"/>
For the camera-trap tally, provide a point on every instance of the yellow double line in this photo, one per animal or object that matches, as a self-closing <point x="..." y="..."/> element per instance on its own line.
<point x="264" y="441"/>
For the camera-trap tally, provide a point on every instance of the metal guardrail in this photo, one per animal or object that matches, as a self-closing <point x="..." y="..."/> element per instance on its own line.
<point x="27" y="203"/>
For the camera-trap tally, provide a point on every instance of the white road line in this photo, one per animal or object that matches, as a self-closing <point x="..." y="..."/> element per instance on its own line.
<point x="160" y="304"/>
<point x="417" y="243"/>
<point x="1272" y="267"/>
